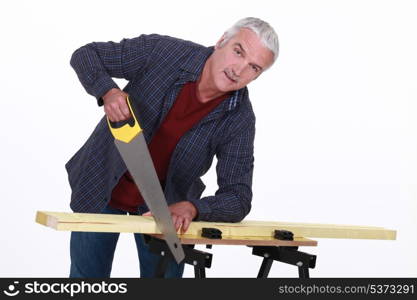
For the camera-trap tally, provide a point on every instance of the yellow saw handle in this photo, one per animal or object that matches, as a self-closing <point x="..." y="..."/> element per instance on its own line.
<point x="125" y="130"/>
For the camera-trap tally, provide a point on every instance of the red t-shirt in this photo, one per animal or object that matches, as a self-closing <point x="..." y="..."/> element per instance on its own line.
<point x="183" y="115"/>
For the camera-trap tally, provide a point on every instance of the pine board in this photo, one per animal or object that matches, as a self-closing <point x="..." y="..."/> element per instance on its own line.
<point x="131" y="223"/>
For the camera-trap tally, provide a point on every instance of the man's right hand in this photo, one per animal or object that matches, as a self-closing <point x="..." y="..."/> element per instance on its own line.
<point x="115" y="105"/>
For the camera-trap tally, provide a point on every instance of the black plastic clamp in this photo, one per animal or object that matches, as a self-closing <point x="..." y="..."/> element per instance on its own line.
<point x="284" y="235"/>
<point x="211" y="233"/>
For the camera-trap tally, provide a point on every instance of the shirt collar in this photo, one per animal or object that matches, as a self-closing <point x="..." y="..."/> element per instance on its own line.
<point x="195" y="63"/>
<point x="193" y="68"/>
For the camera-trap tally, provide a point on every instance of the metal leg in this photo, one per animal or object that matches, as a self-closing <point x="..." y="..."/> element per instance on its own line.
<point x="198" y="259"/>
<point x="199" y="272"/>
<point x="161" y="267"/>
<point x="265" y="268"/>
<point x="288" y="255"/>
<point x="303" y="272"/>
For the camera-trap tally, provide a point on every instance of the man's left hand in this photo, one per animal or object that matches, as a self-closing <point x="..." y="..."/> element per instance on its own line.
<point x="182" y="214"/>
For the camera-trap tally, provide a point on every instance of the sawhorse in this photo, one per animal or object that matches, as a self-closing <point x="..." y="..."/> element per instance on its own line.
<point x="282" y="251"/>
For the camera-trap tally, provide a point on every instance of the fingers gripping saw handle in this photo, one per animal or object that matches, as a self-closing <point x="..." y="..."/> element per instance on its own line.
<point x="126" y="130"/>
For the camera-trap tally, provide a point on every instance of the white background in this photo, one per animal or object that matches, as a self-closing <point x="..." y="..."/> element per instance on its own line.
<point x="336" y="125"/>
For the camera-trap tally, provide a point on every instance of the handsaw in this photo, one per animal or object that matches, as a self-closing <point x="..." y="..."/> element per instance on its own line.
<point x="129" y="140"/>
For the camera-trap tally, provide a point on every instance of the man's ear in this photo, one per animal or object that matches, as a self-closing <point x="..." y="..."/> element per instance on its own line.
<point x="219" y="42"/>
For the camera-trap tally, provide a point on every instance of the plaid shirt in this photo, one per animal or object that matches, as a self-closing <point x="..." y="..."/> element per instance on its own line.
<point x="157" y="67"/>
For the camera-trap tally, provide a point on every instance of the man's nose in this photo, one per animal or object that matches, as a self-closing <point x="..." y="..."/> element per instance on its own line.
<point x="238" y="69"/>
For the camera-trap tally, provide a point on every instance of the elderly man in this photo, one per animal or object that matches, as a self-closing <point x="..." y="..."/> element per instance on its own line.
<point x="192" y="103"/>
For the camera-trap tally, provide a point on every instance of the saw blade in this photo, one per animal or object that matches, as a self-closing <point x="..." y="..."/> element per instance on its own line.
<point x="139" y="163"/>
<point x="132" y="146"/>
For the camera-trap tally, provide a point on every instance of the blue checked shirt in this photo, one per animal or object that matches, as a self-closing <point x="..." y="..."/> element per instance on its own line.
<point x="156" y="68"/>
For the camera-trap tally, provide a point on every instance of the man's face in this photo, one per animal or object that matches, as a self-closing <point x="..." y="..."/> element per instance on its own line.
<point x="239" y="61"/>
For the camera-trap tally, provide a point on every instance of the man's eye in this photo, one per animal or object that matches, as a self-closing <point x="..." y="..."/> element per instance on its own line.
<point x="255" y="69"/>
<point x="238" y="52"/>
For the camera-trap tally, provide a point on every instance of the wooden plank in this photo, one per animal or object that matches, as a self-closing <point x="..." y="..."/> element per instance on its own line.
<point x="189" y="239"/>
<point x="140" y="224"/>
<point x="96" y="222"/>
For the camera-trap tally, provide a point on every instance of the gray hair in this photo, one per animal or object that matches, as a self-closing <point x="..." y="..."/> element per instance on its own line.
<point x="262" y="29"/>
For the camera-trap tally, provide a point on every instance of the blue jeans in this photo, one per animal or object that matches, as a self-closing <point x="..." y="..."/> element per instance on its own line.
<point x="92" y="254"/>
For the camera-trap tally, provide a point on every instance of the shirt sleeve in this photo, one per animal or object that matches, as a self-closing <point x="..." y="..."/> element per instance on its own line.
<point x="232" y="200"/>
<point x="96" y="63"/>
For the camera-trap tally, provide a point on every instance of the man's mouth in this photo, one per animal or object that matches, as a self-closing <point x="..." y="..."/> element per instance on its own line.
<point x="229" y="77"/>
